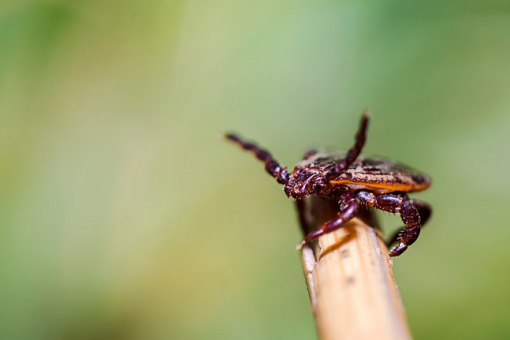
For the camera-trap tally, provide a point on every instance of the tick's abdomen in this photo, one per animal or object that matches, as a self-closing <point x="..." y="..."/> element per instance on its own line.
<point x="382" y="182"/>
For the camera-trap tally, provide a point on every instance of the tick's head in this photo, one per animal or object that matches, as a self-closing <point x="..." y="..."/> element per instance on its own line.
<point x="307" y="180"/>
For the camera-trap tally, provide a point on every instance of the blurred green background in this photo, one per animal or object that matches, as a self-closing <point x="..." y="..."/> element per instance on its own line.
<point x="123" y="215"/>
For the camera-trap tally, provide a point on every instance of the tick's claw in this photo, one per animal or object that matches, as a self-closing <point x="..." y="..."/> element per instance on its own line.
<point x="398" y="249"/>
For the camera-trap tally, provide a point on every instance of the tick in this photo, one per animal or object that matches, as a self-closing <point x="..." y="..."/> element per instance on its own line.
<point x="352" y="182"/>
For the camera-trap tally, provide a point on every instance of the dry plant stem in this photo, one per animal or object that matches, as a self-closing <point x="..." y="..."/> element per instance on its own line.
<point x="351" y="285"/>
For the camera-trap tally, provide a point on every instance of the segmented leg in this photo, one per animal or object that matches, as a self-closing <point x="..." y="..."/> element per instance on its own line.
<point x="309" y="153"/>
<point x="355" y="150"/>
<point x="272" y="166"/>
<point x="410" y="214"/>
<point x="348" y="208"/>
<point x="424" y="210"/>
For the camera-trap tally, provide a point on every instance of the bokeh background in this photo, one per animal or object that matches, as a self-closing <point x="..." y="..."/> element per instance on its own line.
<point x="123" y="215"/>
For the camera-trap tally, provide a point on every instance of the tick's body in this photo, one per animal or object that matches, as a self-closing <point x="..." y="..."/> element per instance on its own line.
<point x="375" y="174"/>
<point x="353" y="181"/>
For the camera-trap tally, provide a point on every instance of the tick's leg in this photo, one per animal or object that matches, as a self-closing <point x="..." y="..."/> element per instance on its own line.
<point x="424" y="210"/>
<point x="355" y="150"/>
<point x="348" y="209"/>
<point x="272" y="166"/>
<point x="309" y="153"/>
<point x="395" y="237"/>
<point x="411" y="218"/>
<point x="398" y="203"/>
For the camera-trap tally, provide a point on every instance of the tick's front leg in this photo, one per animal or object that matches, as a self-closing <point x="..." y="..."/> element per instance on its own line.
<point x="348" y="208"/>
<point x="272" y="166"/>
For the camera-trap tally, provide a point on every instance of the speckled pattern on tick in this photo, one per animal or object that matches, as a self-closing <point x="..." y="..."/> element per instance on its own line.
<point x="353" y="182"/>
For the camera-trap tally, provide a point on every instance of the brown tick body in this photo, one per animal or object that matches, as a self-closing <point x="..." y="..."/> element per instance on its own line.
<point x="352" y="182"/>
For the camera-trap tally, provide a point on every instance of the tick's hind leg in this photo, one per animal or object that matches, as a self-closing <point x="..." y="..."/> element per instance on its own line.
<point x="348" y="209"/>
<point x="410" y="211"/>
<point x="411" y="218"/>
<point x="424" y="210"/>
